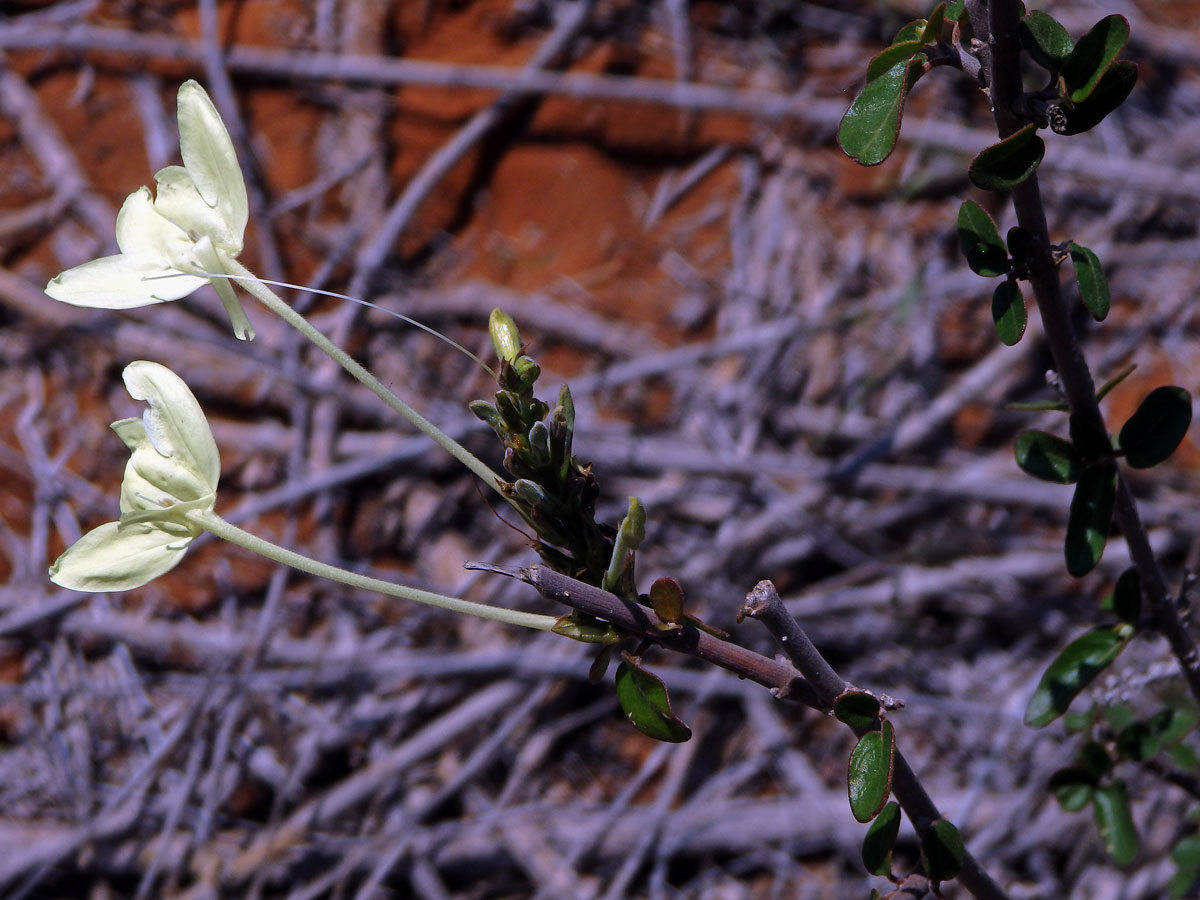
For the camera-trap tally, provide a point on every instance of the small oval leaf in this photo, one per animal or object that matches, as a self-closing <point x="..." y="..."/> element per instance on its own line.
<point x="644" y="698"/>
<point x="1091" y="57"/>
<point x="1093" y="285"/>
<point x="934" y="25"/>
<point x="1008" y="312"/>
<point x="1073" y="669"/>
<point x="869" y="128"/>
<point x="1115" y="85"/>
<point x="858" y="709"/>
<point x="870" y="772"/>
<point x="1005" y="165"/>
<point x="1090" y="518"/>
<point x="1019" y="245"/>
<point x="1093" y="757"/>
<point x="1072" y="787"/>
<point x="911" y="31"/>
<point x="980" y="241"/>
<point x="942" y="851"/>
<point x="880" y="839"/>
<point x="1127" y="596"/>
<point x="1048" y="457"/>
<point x="1157" y="427"/>
<point x="1045" y="40"/>
<point x="1117" y="831"/>
<point x="666" y="599"/>
<point x="1186" y="853"/>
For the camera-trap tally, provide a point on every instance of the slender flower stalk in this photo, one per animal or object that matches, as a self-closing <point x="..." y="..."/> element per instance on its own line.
<point x="213" y="523"/>
<point x="275" y="304"/>
<point x="168" y="497"/>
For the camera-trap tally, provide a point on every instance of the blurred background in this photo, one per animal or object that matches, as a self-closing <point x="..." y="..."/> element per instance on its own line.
<point x="781" y="353"/>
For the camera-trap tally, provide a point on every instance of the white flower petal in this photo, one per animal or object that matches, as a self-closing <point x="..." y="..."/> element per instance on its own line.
<point x="179" y="202"/>
<point x="121" y="282"/>
<point x="144" y="233"/>
<point x="118" y="558"/>
<point x="178" y="431"/>
<point x="131" y="432"/>
<point x="208" y="154"/>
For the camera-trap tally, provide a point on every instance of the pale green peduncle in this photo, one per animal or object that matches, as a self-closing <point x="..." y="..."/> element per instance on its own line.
<point x="272" y="301"/>
<point x="213" y="523"/>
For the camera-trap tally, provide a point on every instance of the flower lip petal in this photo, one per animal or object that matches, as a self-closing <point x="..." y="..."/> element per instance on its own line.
<point x="209" y="156"/>
<point x="118" y="558"/>
<point x="121" y="282"/>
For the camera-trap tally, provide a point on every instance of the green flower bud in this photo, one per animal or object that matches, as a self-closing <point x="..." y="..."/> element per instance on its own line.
<point x="505" y="337"/>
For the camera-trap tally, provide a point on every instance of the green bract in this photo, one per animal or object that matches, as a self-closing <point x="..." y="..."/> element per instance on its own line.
<point x="173" y="469"/>
<point x="168" y="243"/>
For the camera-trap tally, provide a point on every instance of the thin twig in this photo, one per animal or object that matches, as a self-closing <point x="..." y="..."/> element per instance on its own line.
<point x="642" y="622"/>
<point x="764" y="604"/>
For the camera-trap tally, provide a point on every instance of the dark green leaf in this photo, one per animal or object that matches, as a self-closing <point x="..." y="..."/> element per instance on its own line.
<point x="1184" y="757"/>
<point x="1139" y="742"/>
<point x="980" y="241"/>
<point x="1091" y="57"/>
<point x="1046" y="41"/>
<point x="1117" y="830"/>
<point x="644" y="698"/>
<point x="1115" y="85"/>
<point x="870" y="772"/>
<point x="1174" y="723"/>
<point x="880" y="838"/>
<point x="1078" y="663"/>
<point x="1072" y="787"/>
<point x="1127" y="596"/>
<point x="1181" y="883"/>
<point x="1093" y="757"/>
<point x="1093" y="285"/>
<point x="1118" y="716"/>
<point x="666" y="599"/>
<point x="933" y="27"/>
<point x="1008" y="312"/>
<point x="1080" y="721"/>
<point x="1090" y="518"/>
<point x="858" y="709"/>
<point x="1157" y="427"/>
<point x="1186" y="853"/>
<point x="942" y="851"/>
<point x="869" y="128"/>
<point x="1142" y="740"/>
<point x="956" y="10"/>
<point x="1006" y="164"/>
<point x="892" y="56"/>
<point x="1018" y="241"/>
<point x="911" y="31"/>
<point x="1048" y="457"/>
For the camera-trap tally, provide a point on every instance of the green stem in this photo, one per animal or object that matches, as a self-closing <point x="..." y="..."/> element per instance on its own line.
<point x="210" y="521"/>
<point x="269" y="299"/>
